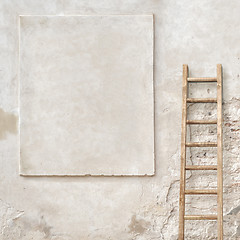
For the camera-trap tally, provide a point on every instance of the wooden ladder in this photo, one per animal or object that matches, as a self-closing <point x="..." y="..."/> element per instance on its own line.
<point x="218" y="144"/>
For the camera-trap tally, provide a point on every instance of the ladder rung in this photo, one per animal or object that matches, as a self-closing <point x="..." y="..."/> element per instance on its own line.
<point x="201" y="144"/>
<point x="200" y="217"/>
<point x="199" y="167"/>
<point x="201" y="121"/>
<point x="200" y="191"/>
<point x="204" y="79"/>
<point x="201" y="100"/>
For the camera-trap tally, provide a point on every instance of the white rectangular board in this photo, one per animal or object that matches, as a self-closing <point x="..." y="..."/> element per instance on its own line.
<point x="86" y="95"/>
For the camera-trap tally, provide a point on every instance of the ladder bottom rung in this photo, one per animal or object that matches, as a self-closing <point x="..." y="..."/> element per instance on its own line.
<point x="201" y="144"/>
<point x="200" y="191"/>
<point x="201" y="100"/>
<point x="202" y="79"/>
<point x="200" y="217"/>
<point x="199" y="167"/>
<point x="201" y="121"/>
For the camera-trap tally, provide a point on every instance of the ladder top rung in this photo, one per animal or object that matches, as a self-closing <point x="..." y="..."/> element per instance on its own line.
<point x="201" y="167"/>
<point x="202" y="121"/>
<point x="200" y="217"/>
<point x="200" y="191"/>
<point x="201" y="144"/>
<point x="201" y="100"/>
<point x="202" y="79"/>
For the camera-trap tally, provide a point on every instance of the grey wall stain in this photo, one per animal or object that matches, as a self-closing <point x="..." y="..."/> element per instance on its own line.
<point x="44" y="227"/>
<point x="238" y="231"/>
<point x="138" y="226"/>
<point x="8" y="124"/>
<point x="235" y="211"/>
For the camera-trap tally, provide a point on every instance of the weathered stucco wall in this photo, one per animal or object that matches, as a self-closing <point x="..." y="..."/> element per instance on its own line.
<point x="200" y="33"/>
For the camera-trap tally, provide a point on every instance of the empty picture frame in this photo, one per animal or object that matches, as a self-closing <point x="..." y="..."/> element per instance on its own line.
<point x="86" y="95"/>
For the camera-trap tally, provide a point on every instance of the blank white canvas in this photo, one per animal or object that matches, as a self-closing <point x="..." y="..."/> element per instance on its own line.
<point x="86" y="95"/>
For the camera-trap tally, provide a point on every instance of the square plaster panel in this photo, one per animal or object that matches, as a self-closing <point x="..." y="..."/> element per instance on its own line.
<point x="86" y="95"/>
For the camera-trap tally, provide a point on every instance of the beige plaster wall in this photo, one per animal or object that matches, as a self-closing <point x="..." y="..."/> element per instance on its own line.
<point x="200" y="33"/>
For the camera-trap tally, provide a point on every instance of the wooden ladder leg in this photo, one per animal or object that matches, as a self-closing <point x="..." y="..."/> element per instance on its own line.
<point x="183" y="153"/>
<point x="219" y="154"/>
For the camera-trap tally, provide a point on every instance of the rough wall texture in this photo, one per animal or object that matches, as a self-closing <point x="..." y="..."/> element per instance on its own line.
<point x="200" y="33"/>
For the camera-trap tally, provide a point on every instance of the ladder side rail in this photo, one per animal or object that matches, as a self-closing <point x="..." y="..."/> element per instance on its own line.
<point x="183" y="153"/>
<point x="219" y="154"/>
